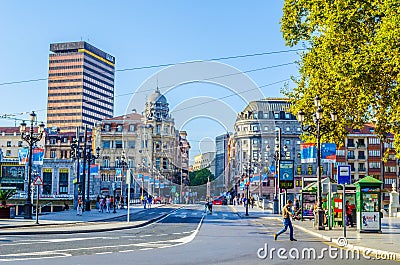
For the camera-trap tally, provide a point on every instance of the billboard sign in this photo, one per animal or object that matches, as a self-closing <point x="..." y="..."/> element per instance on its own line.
<point x="328" y="153"/>
<point x="308" y="153"/>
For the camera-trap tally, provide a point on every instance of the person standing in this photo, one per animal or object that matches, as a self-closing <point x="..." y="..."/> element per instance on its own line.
<point x="108" y="203"/>
<point x="349" y="214"/>
<point x="286" y="214"/>
<point x="79" y="208"/>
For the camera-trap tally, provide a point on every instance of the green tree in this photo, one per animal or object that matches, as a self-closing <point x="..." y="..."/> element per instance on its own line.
<point x="352" y="61"/>
<point x="200" y="177"/>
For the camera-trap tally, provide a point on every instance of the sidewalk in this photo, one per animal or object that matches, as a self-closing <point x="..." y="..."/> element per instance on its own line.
<point x="385" y="243"/>
<point x="68" y="222"/>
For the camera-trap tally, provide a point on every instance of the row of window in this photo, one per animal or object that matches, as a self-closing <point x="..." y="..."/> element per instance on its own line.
<point x="65" y="74"/>
<point x="66" y="60"/>
<point x="256" y="128"/>
<point x="65" y="67"/>
<point x="64" y="87"/>
<point x="75" y="80"/>
<point x="9" y="143"/>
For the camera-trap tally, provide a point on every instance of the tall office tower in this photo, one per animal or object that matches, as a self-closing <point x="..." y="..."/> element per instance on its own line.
<point x="80" y="86"/>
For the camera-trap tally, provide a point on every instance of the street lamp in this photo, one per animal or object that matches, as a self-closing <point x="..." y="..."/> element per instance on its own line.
<point x="31" y="138"/>
<point x="247" y="171"/>
<point x="277" y="156"/>
<point x="90" y="158"/>
<point x="123" y="164"/>
<point x="317" y="130"/>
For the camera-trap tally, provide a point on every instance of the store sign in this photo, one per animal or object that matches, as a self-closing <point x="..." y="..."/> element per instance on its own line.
<point x="286" y="174"/>
<point x="370" y="220"/>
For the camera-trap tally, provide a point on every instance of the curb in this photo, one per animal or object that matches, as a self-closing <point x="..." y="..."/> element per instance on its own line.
<point x="83" y="231"/>
<point x="367" y="252"/>
<point x="72" y="222"/>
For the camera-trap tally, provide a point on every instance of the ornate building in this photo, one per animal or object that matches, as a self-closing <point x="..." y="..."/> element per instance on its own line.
<point x="152" y="147"/>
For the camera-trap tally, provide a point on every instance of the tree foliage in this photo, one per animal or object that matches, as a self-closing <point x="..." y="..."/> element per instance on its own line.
<point x="352" y="61"/>
<point x="200" y="177"/>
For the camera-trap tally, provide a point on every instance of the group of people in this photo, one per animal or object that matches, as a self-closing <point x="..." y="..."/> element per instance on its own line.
<point x="243" y="201"/>
<point x="147" y="201"/>
<point x="105" y="203"/>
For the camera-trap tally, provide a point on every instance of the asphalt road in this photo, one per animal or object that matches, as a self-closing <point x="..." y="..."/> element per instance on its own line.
<point x="185" y="236"/>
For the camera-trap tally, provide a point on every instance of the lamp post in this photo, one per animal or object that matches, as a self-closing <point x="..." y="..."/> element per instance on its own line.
<point x="31" y="138"/>
<point x="277" y="156"/>
<point x="247" y="171"/>
<point x="123" y="164"/>
<point x="90" y="158"/>
<point x="317" y="130"/>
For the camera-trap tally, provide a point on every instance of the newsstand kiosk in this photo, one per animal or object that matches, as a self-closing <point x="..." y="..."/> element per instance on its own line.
<point x="368" y="200"/>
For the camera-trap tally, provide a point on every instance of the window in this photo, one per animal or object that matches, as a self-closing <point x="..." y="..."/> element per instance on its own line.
<point x="374" y="153"/>
<point x="132" y="144"/>
<point x="118" y="144"/>
<point x="352" y="167"/>
<point x="288" y="129"/>
<point x="361" y="155"/>
<point x="19" y="143"/>
<point x="8" y="143"/>
<point x="107" y="127"/>
<point x="389" y="145"/>
<point x="8" y="153"/>
<point x="360" y="143"/>
<point x="255" y="116"/>
<point x="298" y="142"/>
<point x="390" y="169"/>
<point x="165" y="164"/>
<point x="158" y="129"/>
<point x="119" y="128"/>
<point x="287" y="116"/>
<point x="350" y="142"/>
<point x="276" y="115"/>
<point x="350" y="154"/>
<point x="63" y="182"/>
<point x="106" y="162"/>
<point x="131" y="127"/>
<point x="265" y="128"/>
<point x="47" y="179"/>
<point x="298" y="129"/>
<point x="255" y="128"/>
<point x="105" y="144"/>
<point x="374" y="165"/>
<point x="158" y="162"/>
<point x="53" y="153"/>
<point x="287" y="142"/>
<point x="374" y="140"/>
<point x="340" y="152"/>
<point x="361" y="167"/>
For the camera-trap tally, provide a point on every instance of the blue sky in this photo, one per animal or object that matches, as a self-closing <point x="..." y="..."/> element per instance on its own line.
<point x="141" y="33"/>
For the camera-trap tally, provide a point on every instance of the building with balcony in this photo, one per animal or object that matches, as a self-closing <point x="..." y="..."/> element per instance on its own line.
<point x="364" y="152"/>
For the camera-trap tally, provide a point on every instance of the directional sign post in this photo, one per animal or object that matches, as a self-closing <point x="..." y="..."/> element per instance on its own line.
<point x="37" y="182"/>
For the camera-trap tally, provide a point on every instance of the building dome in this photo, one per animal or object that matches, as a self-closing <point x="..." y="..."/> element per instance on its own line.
<point x="157" y="97"/>
<point x="157" y="107"/>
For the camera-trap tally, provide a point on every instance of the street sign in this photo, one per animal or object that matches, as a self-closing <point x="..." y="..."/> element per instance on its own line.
<point x="344" y="175"/>
<point x="38" y="181"/>
<point x="286" y="174"/>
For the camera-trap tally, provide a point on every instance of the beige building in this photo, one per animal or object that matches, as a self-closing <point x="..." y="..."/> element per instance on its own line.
<point x="10" y="141"/>
<point x="151" y="145"/>
<point x="205" y="160"/>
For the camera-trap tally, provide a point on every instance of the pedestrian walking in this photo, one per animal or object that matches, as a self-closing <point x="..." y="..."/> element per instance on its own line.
<point x="286" y="214"/>
<point x="252" y="201"/>
<point x="79" y="208"/>
<point x="150" y="200"/>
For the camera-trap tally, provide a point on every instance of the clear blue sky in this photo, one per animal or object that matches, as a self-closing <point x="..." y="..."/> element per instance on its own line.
<point x="141" y="33"/>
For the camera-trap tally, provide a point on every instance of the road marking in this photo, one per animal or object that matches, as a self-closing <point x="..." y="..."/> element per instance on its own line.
<point x="56" y="240"/>
<point x="61" y="252"/>
<point x="124" y="251"/>
<point x="104" y="253"/>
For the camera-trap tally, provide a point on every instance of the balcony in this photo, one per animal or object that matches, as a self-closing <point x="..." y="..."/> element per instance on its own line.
<point x="351" y="157"/>
<point x="362" y="169"/>
<point x="361" y="157"/>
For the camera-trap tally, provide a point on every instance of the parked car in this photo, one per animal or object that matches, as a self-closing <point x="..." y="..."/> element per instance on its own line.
<point x="218" y="200"/>
<point x="158" y="200"/>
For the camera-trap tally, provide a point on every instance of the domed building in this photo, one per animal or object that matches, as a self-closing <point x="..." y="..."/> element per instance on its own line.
<point x="157" y="107"/>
